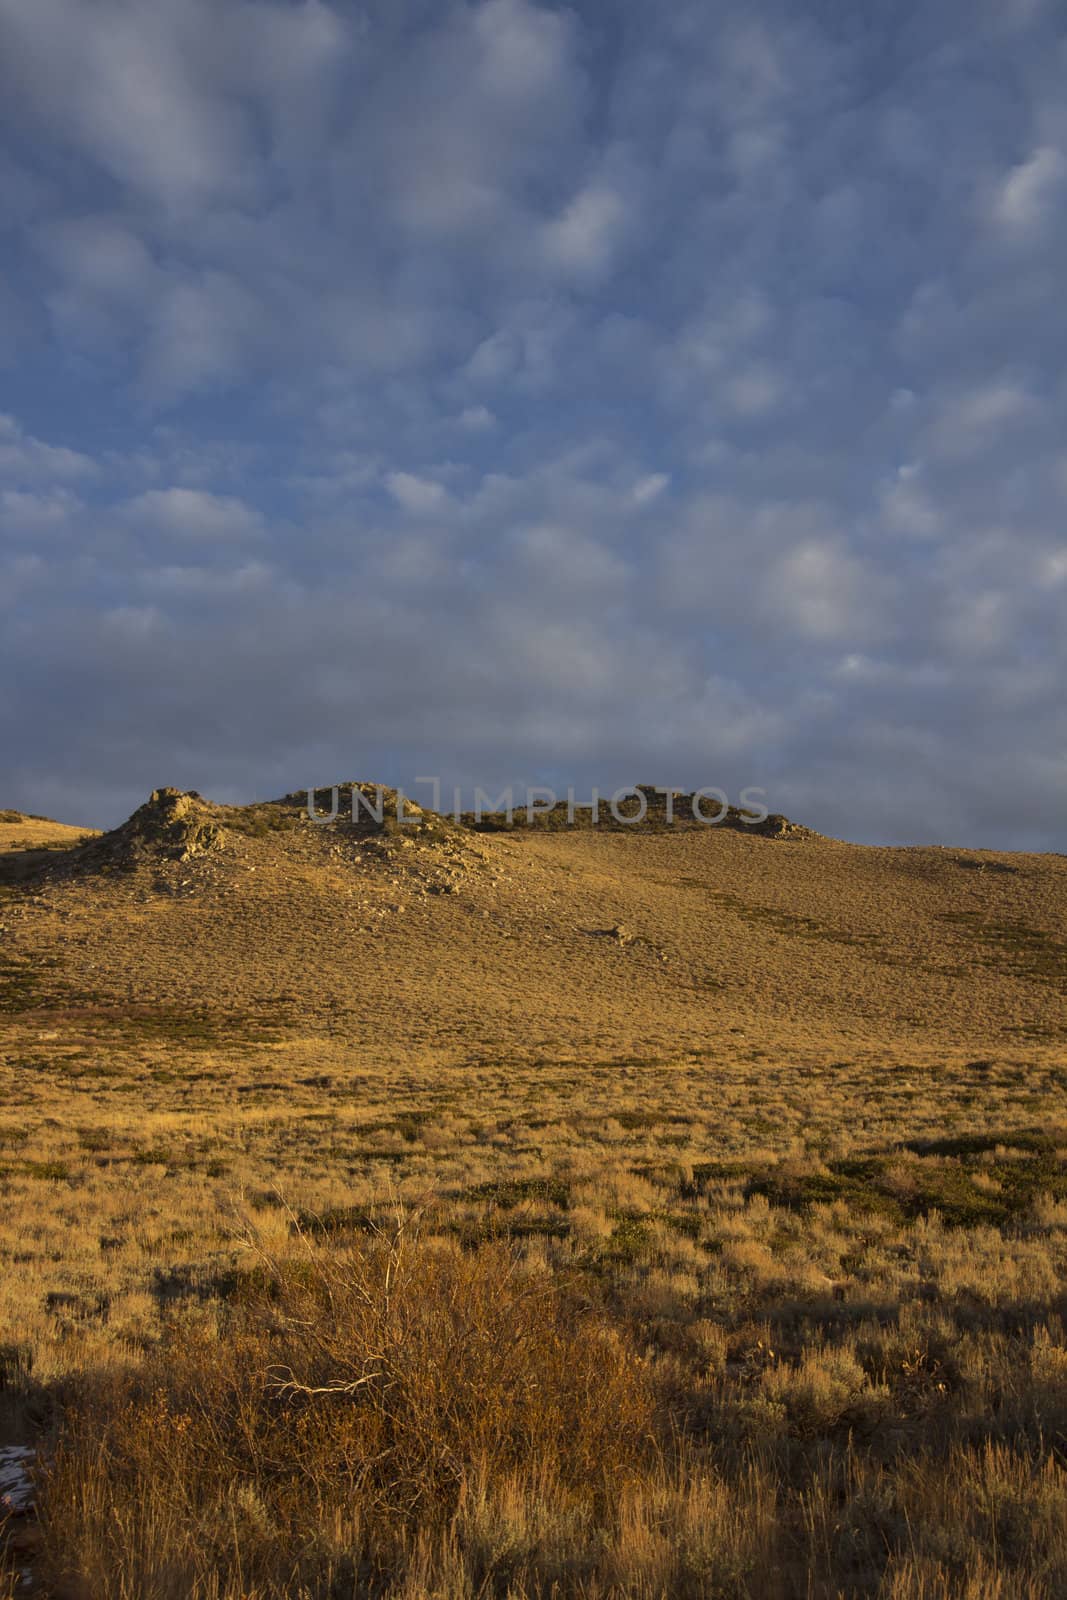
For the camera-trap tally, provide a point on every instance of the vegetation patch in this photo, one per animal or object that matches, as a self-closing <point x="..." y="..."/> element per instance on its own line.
<point x="49" y="1171"/>
<point x="977" y="864"/>
<point x="788" y="923"/>
<point x="508" y="1192"/>
<point x="189" y="1029"/>
<point x="1041" y="1140"/>
<point x="23" y="982"/>
<point x="1013" y="945"/>
<point x="262" y="820"/>
<point x="335" y="1220"/>
<point x="903" y="1191"/>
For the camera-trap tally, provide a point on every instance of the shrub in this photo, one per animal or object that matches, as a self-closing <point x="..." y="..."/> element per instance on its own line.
<point x="827" y="1389"/>
<point x="350" y="1403"/>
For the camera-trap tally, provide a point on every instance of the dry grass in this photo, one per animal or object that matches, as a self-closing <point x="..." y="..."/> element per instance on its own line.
<point x="731" y="1280"/>
<point x="346" y="1414"/>
<point x="604" y="1367"/>
<point x="404" y="1417"/>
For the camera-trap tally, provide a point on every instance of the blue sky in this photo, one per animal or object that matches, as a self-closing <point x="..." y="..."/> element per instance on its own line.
<point x="516" y="392"/>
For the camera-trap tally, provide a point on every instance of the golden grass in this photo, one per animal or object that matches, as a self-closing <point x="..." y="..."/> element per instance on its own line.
<point x="350" y="1406"/>
<point x="738" y="1274"/>
<point x="837" y="1306"/>
<point x="405" y="1417"/>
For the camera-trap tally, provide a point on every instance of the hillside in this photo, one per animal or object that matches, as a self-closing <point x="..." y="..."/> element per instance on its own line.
<point x="19" y="832"/>
<point x="440" y="942"/>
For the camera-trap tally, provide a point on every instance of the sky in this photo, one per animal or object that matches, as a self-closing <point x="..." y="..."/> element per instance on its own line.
<point x="513" y="392"/>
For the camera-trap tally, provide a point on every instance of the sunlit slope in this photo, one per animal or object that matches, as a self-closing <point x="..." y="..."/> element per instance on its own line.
<point x="438" y="940"/>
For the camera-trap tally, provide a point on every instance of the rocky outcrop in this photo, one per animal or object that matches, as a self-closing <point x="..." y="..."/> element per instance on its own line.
<point x="172" y="825"/>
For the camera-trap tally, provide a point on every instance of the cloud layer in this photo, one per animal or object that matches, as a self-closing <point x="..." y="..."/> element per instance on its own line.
<point x="523" y="393"/>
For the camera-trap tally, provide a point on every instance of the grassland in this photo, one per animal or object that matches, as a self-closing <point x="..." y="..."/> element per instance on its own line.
<point x="291" y="1311"/>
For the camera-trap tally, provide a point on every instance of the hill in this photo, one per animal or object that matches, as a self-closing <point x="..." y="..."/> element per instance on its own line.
<point x="20" y="831"/>
<point x="432" y="939"/>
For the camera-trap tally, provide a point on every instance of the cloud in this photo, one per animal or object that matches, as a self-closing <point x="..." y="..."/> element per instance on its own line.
<point x="420" y="496"/>
<point x="755" y="392"/>
<point x="1025" y="198"/>
<point x="127" y="626"/>
<point x="798" y="573"/>
<point x="972" y="418"/>
<point x="822" y="591"/>
<point x="206" y="583"/>
<point x="584" y="237"/>
<point x="23" y="512"/>
<point x="565" y="561"/>
<point x="649" y="488"/>
<point x="192" y="514"/>
<point x="163" y="97"/>
<point x="24" y="459"/>
<point x="476" y="419"/>
<point x="456" y="119"/>
<point x="121" y="83"/>
<point x="906" y="508"/>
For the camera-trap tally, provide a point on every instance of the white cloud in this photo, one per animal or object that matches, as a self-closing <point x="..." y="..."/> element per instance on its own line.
<point x="977" y="623"/>
<point x="821" y="591"/>
<point x="525" y="48"/>
<point x="166" y="98"/>
<point x="562" y="658"/>
<point x="206" y="583"/>
<point x="476" y="419"/>
<point x="420" y="496"/>
<point x="526" y="349"/>
<point x="1053" y="568"/>
<point x="449" y="128"/>
<point x="774" y="566"/>
<point x="130" y="624"/>
<point x="649" y="488"/>
<point x="970" y="419"/>
<point x="121" y="83"/>
<point x="755" y="392"/>
<point x="712" y="339"/>
<point x="906" y="508"/>
<point x="1026" y="197"/>
<point x="569" y="562"/>
<point x="101" y="255"/>
<point x="991" y="406"/>
<point x="496" y="357"/>
<point x="583" y="239"/>
<point x="24" y="459"/>
<point x="192" y="514"/>
<point x="25" y="512"/>
<point x="18" y="575"/>
<point x="202" y="332"/>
